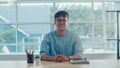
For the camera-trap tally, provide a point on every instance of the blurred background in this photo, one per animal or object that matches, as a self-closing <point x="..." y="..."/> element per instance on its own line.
<point x="23" y="24"/>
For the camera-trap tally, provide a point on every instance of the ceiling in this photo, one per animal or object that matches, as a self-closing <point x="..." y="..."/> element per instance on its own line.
<point x="65" y="0"/>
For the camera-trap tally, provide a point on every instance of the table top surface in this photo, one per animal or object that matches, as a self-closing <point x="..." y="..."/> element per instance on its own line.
<point x="48" y="64"/>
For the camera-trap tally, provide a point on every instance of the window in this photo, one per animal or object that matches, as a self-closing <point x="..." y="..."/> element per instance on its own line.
<point x="24" y="25"/>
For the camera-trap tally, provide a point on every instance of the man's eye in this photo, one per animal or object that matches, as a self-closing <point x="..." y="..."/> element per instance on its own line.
<point x="58" y="20"/>
<point x="63" y="20"/>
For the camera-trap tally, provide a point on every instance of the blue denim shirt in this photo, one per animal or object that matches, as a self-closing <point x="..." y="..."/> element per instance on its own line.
<point x="68" y="45"/>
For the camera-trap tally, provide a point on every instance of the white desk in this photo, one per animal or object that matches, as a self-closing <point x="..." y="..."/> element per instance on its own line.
<point x="45" y="64"/>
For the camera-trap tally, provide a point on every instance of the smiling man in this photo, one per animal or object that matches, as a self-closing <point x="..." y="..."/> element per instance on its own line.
<point x="61" y="45"/>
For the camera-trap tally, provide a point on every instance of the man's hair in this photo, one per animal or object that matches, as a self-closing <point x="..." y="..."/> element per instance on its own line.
<point x="61" y="13"/>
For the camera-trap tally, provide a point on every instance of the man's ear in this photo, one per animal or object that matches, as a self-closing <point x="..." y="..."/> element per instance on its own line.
<point x="68" y="22"/>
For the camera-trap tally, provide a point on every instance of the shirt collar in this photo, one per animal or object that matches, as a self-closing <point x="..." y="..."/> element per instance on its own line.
<point x="60" y="36"/>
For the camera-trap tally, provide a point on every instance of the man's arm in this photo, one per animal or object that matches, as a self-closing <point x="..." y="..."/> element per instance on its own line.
<point x="45" y="47"/>
<point x="47" y="58"/>
<point x="68" y="58"/>
<point x="78" y="49"/>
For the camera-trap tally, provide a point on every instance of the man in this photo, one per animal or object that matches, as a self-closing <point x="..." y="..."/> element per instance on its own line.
<point x="60" y="45"/>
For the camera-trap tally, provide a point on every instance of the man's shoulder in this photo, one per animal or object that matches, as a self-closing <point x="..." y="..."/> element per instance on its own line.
<point x="73" y="34"/>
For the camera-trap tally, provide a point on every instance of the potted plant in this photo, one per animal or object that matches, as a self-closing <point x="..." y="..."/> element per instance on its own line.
<point x="37" y="57"/>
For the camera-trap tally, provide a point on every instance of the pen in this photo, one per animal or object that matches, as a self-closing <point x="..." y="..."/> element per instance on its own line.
<point x="32" y="51"/>
<point x="26" y="51"/>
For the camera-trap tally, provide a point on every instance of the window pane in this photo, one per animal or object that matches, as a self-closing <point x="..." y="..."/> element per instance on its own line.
<point x="78" y="11"/>
<point x="98" y="11"/>
<point x="99" y="48"/>
<point x="7" y="34"/>
<point x="7" y="0"/>
<point x="83" y="29"/>
<point x="36" y="48"/>
<point x="7" y="48"/>
<point x="111" y="30"/>
<point x="99" y="38"/>
<point x="110" y="16"/>
<point x="111" y="46"/>
<point x="85" y="32"/>
<point x="31" y="35"/>
<point x="33" y="30"/>
<point x="20" y="48"/>
<point x="8" y="13"/>
<point x="31" y="12"/>
<point x="98" y="33"/>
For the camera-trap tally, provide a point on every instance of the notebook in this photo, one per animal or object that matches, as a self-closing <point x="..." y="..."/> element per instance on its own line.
<point x="79" y="61"/>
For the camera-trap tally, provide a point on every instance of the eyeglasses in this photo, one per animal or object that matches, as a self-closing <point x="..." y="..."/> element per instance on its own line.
<point x="62" y="20"/>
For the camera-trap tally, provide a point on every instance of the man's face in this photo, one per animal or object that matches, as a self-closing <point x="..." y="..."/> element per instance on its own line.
<point x="61" y="23"/>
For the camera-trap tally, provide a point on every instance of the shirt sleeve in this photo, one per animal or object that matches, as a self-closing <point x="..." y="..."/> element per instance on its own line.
<point x="44" y="49"/>
<point x="78" y="49"/>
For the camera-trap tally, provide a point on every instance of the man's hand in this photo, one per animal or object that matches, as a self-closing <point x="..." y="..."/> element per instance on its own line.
<point x="57" y="58"/>
<point x="60" y="58"/>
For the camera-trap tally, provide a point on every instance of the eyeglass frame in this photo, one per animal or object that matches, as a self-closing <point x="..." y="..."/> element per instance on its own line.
<point x="61" y="20"/>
